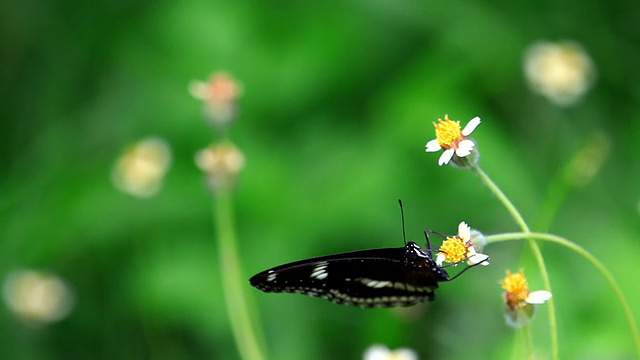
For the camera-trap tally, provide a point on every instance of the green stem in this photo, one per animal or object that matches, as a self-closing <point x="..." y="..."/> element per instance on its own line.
<point x="502" y="197"/>
<point x="528" y="341"/>
<point x="233" y="281"/>
<point x="577" y="248"/>
<point x="534" y="248"/>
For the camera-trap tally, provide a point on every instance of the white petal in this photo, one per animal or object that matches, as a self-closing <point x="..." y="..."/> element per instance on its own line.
<point x="471" y="125"/>
<point x="475" y="257"/>
<point x="483" y="259"/>
<point x="464" y="147"/>
<point x="433" y="146"/>
<point x="446" y="157"/>
<point x="440" y="259"/>
<point x="464" y="231"/>
<point x="376" y="352"/>
<point x="538" y="297"/>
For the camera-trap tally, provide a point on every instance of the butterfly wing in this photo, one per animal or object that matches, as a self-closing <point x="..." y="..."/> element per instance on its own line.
<point x="367" y="278"/>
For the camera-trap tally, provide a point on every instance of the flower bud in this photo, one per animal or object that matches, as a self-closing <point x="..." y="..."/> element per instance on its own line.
<point x="468" y="161"/>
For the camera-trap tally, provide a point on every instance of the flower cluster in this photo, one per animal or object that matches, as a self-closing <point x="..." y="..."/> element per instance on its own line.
<point x="467" y="244"/>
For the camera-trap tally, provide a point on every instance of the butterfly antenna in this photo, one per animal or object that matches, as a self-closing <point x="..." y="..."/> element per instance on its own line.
<point x="404" y="233"/>
<point x="467" y="268"/>
<point x="426" y="235"/>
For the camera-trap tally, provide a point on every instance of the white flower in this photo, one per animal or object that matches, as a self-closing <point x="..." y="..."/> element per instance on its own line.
<point x="221" y="162"/>
<point x="460" y="247"/>
<point x="562" y="71"/>
<point x="141" y="169"/>
<point x="452" y="139"/>
<point x="38" y="297"/>
<point x="220" y="95"/>
<point x="517" y="292"/>
<point x="381" y="352"/>
<point x="520" y="302"/>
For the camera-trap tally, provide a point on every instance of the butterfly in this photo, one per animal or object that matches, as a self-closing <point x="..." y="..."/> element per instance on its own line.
<point x="383" y="277"/>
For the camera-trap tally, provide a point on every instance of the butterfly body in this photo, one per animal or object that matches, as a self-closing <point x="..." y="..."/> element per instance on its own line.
<point x="368" y="278"/>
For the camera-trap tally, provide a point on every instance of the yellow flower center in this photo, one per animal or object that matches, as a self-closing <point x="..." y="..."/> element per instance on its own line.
<point x="516" y="289"/>
<point x="453" y="249"/>
<point x="448" y="132"/>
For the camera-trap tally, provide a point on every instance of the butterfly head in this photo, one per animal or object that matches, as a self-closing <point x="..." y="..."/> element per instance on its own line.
<point x="418" y="258"/>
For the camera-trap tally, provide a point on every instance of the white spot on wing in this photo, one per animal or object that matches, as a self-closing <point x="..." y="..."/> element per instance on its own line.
<point x="399" y="286"/>
<point x="320" y="271"/>
<point x="321" y="276"/>
<point x="376" y="284"/>
<point x="271" y="277"/>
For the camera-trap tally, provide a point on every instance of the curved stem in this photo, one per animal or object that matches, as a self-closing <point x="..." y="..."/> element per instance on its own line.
<point x="577" y="248"/>
<point x="515" y="214"/>
<point x="240" y="315"/>
<point x="534" y="248"/>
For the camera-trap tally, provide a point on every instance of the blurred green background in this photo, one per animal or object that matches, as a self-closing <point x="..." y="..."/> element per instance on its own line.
<point x="338" y="102"/>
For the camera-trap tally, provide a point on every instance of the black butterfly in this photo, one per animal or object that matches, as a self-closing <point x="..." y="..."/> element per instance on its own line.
<point x="368" y="278"/>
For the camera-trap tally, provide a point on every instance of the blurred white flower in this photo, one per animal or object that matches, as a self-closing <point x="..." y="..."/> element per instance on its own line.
<point x="37" y="297"/>
<point x="220" y="95"/>
<point x="381" y="352"/>
<point x="141" y="169"/>
<point x="221" y="163"/>
<point x="562" y="71"/>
